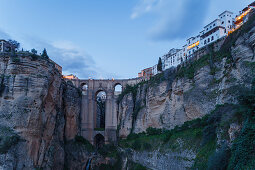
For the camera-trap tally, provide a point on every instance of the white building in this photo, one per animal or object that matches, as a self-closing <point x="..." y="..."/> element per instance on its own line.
<point x="180" y="56"/>
<point x="155" y="69"/>
<point x="170" y="59"/>
<point x="217" y="29"/>
<point x="210" y="33"/>
<point x="193" y="44"/>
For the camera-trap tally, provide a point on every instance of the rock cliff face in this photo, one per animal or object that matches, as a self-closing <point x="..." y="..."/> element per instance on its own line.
<point x="179" y="95"/>
<point x="39" y="112"/>
<point x="175" y="99"/>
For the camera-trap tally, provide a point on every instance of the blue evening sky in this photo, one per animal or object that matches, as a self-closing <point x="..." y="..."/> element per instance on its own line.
<point x="107" y="38"/>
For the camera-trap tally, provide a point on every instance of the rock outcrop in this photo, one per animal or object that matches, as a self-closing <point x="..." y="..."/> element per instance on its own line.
<point x="39" y="108"/>
<point x="178" y="99"/>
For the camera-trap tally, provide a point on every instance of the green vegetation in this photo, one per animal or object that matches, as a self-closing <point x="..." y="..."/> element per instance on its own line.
<point x="14" y="57"/>
<point x="44" y="54"/>
<point x="35" y="57"/>
<point x="219" y="160"/>
<point x="159" y="66"/>
<point x="8" y="138"/>
<point x="201" y="133"/>
<point x="99" y="129"/>
<point x="112" y="152"/>
<point x="243" y="151"/>
<point x="109" y="150"/>
<point x="135" y="166"/>
<point x="82" y="141"/>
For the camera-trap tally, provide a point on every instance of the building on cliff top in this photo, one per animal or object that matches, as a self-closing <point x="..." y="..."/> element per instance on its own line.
<point x="5" y="46"/>
<point x="146" y="73"/>
<point x="70" y="77"/>
<point x="212" y="32"/>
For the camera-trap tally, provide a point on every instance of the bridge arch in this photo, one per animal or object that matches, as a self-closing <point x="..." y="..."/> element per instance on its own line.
<point x="100" y="101"/>
<point x="118" y="88"/>
<point x="99" y="140"/>
<point x="84" y="88"/>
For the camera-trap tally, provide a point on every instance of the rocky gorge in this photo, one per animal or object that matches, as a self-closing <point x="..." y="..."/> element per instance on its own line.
<point x="197" y="116"/>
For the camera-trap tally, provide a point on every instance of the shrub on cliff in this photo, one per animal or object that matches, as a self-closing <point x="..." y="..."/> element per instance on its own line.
<point x="81" y="140"/>
<point x="153" y="131"/>
<point x="136" y="145"/>
<point x="219" y="160"/>
<point x="7" y="139"/>
<point x="44" y="54"/>
<point x="243" y="150"/>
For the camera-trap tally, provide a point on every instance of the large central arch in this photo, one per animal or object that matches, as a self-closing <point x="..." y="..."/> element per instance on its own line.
<point x="90" y="88"/>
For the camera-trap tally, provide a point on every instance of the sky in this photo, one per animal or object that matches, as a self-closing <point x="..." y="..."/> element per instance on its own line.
<point x="104" y="39"/>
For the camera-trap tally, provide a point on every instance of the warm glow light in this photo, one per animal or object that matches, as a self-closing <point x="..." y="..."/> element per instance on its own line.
<point x="243" y="15"/>
<point x="69" y="77"/>
<point x="239" y="20"/>
<point x="193" y="45"/>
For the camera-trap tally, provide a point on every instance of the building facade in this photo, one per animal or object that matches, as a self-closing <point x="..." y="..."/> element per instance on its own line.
<point x="154" y="69"/>
<point x="146" y="73"/>
<point x="217" y="29"/>
<point x="193" y="44"/>
<point x="5" y="46"/>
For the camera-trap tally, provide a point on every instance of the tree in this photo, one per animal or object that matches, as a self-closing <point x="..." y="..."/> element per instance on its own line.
<point x="14" y="44"/>
<point x="33" y="51"/>
<point x="159" y="66"/>
<point x="44" y="53"/>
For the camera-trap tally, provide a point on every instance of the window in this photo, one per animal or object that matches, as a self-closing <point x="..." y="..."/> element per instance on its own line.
<point x="213" y="24"/>
<point x="208" y="40"/>
<point x="225" y="31"/>
<point x="228" y="21"/>
<point x="205" y="42"/>
<point x="212" y="38"/>
<point x="222" y="22"/>
<point x="207" y="29"/>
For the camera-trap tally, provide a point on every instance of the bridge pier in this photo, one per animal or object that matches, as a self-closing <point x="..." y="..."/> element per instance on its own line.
<point x="89" y="108"/>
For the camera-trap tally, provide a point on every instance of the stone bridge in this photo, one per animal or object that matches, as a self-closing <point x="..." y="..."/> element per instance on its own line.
<point x="90" y="89"/>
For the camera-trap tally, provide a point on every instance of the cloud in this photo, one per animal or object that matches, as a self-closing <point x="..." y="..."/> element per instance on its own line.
<point x="143" y="7"/>
<point x="174" y="19"/>
<point x="73" y="59"/>
<point x="4" y="35"/>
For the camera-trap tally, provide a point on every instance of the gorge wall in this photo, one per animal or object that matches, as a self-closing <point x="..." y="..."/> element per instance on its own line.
<point x="174" y="97"/>
<point x="39" y="113"/>
<point x="179" y="95"/>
